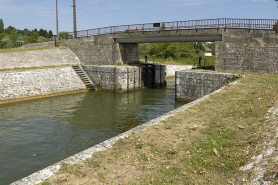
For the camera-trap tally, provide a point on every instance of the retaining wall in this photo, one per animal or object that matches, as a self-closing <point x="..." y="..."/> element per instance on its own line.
<point x="102" y="50"/>
<point x="191" y="85"/>
<point x="38" y="58"/>
<point x="36" y="82"/>
<point x="116" y="78"/>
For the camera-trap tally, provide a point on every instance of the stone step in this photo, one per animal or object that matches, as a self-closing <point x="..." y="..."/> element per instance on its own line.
<point x="84" y="78"/>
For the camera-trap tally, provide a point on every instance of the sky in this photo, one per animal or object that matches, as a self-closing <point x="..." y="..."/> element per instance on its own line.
<point x="91" y="14"/>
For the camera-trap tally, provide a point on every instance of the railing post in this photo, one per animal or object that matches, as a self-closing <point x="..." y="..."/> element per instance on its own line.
<point x="225" y="24"/>
<point x="218" y="24"/>
<point x="276" y="23"/>
<point x="177" y="26"/>
<point x="87" y="33"/>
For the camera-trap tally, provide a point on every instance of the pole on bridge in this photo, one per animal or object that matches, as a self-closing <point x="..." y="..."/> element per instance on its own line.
<point x="74" y="19"/>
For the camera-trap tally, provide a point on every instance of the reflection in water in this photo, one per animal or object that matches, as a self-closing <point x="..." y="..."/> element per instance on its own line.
<point x="55" y="128"/>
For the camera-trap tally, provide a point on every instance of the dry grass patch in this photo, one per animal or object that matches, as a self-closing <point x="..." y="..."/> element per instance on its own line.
<point x="13" y="50"/>
<point x="202" y="145"/>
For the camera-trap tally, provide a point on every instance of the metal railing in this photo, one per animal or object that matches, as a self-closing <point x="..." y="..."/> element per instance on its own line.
<point x="264" y="24"/>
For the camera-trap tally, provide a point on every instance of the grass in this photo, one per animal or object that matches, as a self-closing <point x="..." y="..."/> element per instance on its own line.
<point x="202" y="145"/>
<point x="13" y="50"/>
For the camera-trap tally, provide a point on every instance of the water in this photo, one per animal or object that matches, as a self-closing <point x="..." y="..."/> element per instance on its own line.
<point x="58" y="127"/>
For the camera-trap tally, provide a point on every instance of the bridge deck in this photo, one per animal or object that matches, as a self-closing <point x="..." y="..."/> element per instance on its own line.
<point x="264" y="24"/>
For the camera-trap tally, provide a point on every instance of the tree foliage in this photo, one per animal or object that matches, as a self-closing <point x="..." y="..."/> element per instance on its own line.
<point x="173" y="51"/>
<point x="64" y="35"/>
<point x="12" y="37"/>
<point x="1" y="26"/>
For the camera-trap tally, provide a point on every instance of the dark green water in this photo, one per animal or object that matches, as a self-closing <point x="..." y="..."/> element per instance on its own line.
<point x="58" y="127"/>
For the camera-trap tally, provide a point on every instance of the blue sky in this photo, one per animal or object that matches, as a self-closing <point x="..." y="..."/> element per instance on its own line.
<point x="101" y="13"/>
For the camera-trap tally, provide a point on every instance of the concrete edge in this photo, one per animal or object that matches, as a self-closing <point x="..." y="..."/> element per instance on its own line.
<point x="36" y="97"/>
<point x="47" y="172"/>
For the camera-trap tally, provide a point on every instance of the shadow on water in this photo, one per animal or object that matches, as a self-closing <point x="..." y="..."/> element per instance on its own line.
<point x="58" y="127"/>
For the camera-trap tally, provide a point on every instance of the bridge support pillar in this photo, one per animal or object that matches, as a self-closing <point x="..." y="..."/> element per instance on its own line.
<point x="129" y="53"/>
<point x="252" y="51"/>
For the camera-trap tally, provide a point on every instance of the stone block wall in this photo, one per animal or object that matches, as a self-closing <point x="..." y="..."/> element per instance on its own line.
<point x="129" y="53"/>
<point x="253" y="50"/>
<point x="115" y="78"/>
<point x="36" y="82"/>
<point x="191" y="85"/>
<point x="94" y="54"/>
<point x="102" y="50"/>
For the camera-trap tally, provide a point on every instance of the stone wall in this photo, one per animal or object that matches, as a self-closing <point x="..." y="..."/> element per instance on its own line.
<point x="38" y="58"/>
<point x="102" y="50"/>
<point x="115" y="78"/>
<point x="171" y="69"/>
<point x="191" y="85"/>
<point x="36" y="82"/>
<point x="251" y="50"/>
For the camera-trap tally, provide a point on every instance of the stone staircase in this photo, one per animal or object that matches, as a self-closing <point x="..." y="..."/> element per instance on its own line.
<point x="84" y="77"/>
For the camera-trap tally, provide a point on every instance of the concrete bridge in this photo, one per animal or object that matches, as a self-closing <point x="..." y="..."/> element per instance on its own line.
<point x="248" y="43"/>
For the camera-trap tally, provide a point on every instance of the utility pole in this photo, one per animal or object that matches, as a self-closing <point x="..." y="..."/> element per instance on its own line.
<point x="74" y="19"/>
<point x="57" y="26"/>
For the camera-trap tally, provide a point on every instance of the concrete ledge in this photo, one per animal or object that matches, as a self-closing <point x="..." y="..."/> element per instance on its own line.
<point x="42" y="96"/>
<point x="42" y="175"/>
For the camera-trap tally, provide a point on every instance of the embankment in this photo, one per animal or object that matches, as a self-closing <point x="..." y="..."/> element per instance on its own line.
<point x="200" y="144"/>
<point x="26" y="75"/>
<point x="38" y="59"/>
<point x="38" y="82"/>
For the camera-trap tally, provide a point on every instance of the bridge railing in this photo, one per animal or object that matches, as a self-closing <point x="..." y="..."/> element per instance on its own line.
<point x="265" y="24"/>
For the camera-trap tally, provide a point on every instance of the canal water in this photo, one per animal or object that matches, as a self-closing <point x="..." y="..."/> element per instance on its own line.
<point x="38" y="133"/>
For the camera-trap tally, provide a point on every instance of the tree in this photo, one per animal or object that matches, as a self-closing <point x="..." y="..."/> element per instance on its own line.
<point x="50" y="34"/>
<point x="1" y="26"/>
<point x="41" y="39"/>
<point x="64" y="35"/>
<point x="43" y="33"/>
